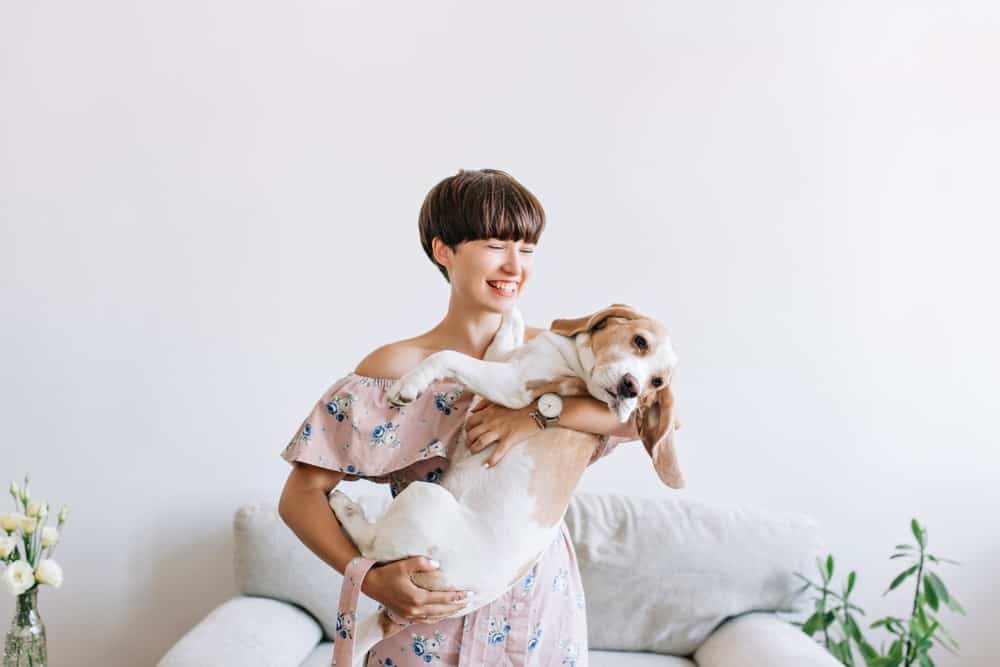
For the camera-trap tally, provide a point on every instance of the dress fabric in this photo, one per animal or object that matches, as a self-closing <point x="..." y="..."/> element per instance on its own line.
<point x="539" y="621"/>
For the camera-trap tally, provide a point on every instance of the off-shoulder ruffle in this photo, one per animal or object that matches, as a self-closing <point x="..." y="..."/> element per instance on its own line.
<point x="353" y="428"/>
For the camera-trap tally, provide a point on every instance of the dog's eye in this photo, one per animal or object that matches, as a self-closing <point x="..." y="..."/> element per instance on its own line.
<point x="657" y="382"/>
<point x="640" y="342"/>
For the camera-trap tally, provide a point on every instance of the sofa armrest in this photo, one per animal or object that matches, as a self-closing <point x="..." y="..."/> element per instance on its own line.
<point x="761" y="638"/>
<point x="247" y="631"/>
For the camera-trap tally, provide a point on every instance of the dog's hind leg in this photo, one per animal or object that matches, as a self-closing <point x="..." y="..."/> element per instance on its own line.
<point x="352" y="517"/>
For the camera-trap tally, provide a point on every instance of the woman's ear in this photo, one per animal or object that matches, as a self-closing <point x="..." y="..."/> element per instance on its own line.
<point x="654" y="422"/>
<point x="442" y="252"/>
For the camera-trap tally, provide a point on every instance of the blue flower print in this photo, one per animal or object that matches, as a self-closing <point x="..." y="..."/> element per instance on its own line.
<point x="571" y="651"/>
<point x="529" y="582"/>
<point x="426" y="648"/>
<point x="560" y="582"/>
<point x="339" y="405"/>
<point x="385" y="434"/>
<point x="434" y="476"/>
<point x="445" y="400"/>
<point x="498" y="629"/>
<point x="345" y="624"/>
<point x="388" y="662"/>
<point x="307" y="431"/>
<point x="533" y="642"/>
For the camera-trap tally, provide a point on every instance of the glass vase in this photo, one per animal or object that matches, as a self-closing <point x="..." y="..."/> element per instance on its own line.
<point x="25" y="644"/>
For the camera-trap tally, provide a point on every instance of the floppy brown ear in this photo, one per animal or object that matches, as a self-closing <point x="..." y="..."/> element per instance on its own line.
<point x="655" y="423"/>
<point x="571" y="327"/>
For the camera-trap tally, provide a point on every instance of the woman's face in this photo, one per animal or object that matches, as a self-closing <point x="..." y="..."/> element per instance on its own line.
<point x="476" y="264"/>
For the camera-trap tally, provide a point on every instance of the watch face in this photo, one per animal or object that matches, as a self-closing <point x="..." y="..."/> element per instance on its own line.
<point x="550" y="405"/>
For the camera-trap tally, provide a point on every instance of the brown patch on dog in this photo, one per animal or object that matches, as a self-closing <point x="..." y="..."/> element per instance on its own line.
<point x="571" y="327"/>
<point x="564" y="385"/>
<point x="560" y="456"/>
<point x="429" y="580"/>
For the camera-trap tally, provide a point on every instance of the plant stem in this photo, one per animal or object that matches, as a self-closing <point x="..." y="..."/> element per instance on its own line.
<point x="909" y="643"/>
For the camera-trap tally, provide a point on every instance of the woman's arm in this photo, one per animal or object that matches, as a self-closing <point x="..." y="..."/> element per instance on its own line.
<point x="586" y="413"/>
<point x="304" y="507"/>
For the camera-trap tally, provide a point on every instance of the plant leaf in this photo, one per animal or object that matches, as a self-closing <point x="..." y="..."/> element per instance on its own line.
<point x="930" y="594"/>
<point x="919" y="533"/>
<point x="901" y="577"/>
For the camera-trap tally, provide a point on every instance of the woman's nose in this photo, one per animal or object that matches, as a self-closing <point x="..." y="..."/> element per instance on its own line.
<point x="513" y="262"/>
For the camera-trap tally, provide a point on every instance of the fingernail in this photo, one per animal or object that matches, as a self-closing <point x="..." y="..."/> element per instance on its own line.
<point x="434" y="563"/>
<point x="486" y="464"/>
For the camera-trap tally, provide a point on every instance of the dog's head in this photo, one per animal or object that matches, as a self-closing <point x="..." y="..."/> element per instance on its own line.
<point x="630" y="362"/>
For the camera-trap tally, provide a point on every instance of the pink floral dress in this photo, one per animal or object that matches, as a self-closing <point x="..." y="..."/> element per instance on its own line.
<point x="540" y="620"/>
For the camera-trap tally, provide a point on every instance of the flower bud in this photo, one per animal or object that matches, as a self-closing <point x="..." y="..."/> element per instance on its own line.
<point x="7" y="546"/>
<point x="63" y="513"/>
<point x="50" y="535"/>
<point x="36" y="508"/>
<point x="49" y="572"/>
<point x="14" y="491"/>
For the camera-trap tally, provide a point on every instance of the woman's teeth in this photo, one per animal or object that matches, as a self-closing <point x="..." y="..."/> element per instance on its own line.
<point x="505" y="287"/>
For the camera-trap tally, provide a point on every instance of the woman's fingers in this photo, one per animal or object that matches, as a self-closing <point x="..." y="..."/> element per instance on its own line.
<point x="498" y="453"/>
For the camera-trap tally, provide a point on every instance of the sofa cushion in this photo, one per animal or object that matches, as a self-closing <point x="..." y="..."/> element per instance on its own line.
<point x="660" y="574"/>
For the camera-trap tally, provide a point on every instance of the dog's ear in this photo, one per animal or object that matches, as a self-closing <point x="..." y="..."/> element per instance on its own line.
<point x="655" y="423"/>
<point x="571" y="327"/>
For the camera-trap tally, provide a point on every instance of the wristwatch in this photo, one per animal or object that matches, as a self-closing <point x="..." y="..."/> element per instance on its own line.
<point x="549" y="408"/>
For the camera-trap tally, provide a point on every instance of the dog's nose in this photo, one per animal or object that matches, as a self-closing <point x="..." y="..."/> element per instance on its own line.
<point x="628" y="387"/>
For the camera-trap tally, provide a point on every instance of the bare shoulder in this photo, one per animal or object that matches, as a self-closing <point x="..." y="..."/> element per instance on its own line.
<point x="392" y="360"/>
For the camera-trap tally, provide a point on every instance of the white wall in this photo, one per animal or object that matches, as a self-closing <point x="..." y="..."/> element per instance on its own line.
<point x="208" y="213"/>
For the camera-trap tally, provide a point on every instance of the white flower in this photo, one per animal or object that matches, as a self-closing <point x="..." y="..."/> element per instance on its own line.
<point x="11" y="522"/>
<point x="49" y="572"/>
<point x="50" y="535"/>
<point x="38" y="508"/>
<point x="18" y="577"/>
<point x="7" y="546"/>
<point x="28" y="524"/>
<point x="13" y="489"/>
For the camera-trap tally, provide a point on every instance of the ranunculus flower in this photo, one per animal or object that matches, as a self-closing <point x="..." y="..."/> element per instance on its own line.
<point x="49" y="572"/>
<point x="11" y="522"/>
<point x="7" y="546"/>
<point x="50" y="535"/>
<point x="28" y="525"/>
<point x="18" y="577"/>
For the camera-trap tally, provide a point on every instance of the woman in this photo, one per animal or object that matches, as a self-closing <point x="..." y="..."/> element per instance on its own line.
<point x="480" y="228"/>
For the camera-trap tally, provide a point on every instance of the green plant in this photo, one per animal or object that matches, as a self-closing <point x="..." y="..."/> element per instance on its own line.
<point x="911" y="639"/>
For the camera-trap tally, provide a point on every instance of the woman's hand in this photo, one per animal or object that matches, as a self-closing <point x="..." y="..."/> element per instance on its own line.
<point x="391" y="585"/>
<point x="491" y="423"/>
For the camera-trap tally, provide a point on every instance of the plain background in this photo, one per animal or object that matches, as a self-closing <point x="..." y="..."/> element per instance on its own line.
<point x="209" y="214"/>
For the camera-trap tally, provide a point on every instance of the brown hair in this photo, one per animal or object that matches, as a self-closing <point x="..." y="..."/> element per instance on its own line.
<point x="479" y="204"/>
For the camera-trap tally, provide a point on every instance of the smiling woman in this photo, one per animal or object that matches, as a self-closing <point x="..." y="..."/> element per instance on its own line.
<point x="480" y="229"/>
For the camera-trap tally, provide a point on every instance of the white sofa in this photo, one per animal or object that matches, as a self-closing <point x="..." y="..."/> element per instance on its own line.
<point x="670" y="582"/>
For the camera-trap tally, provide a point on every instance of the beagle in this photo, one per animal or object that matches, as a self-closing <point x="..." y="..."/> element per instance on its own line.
<point x="487" y="527"/>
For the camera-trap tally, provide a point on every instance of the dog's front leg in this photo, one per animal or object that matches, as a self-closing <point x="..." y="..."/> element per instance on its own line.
<point x="501" y="382"/>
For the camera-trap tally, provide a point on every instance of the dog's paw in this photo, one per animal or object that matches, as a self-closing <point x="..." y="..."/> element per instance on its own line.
<point x="402" y="392"/>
